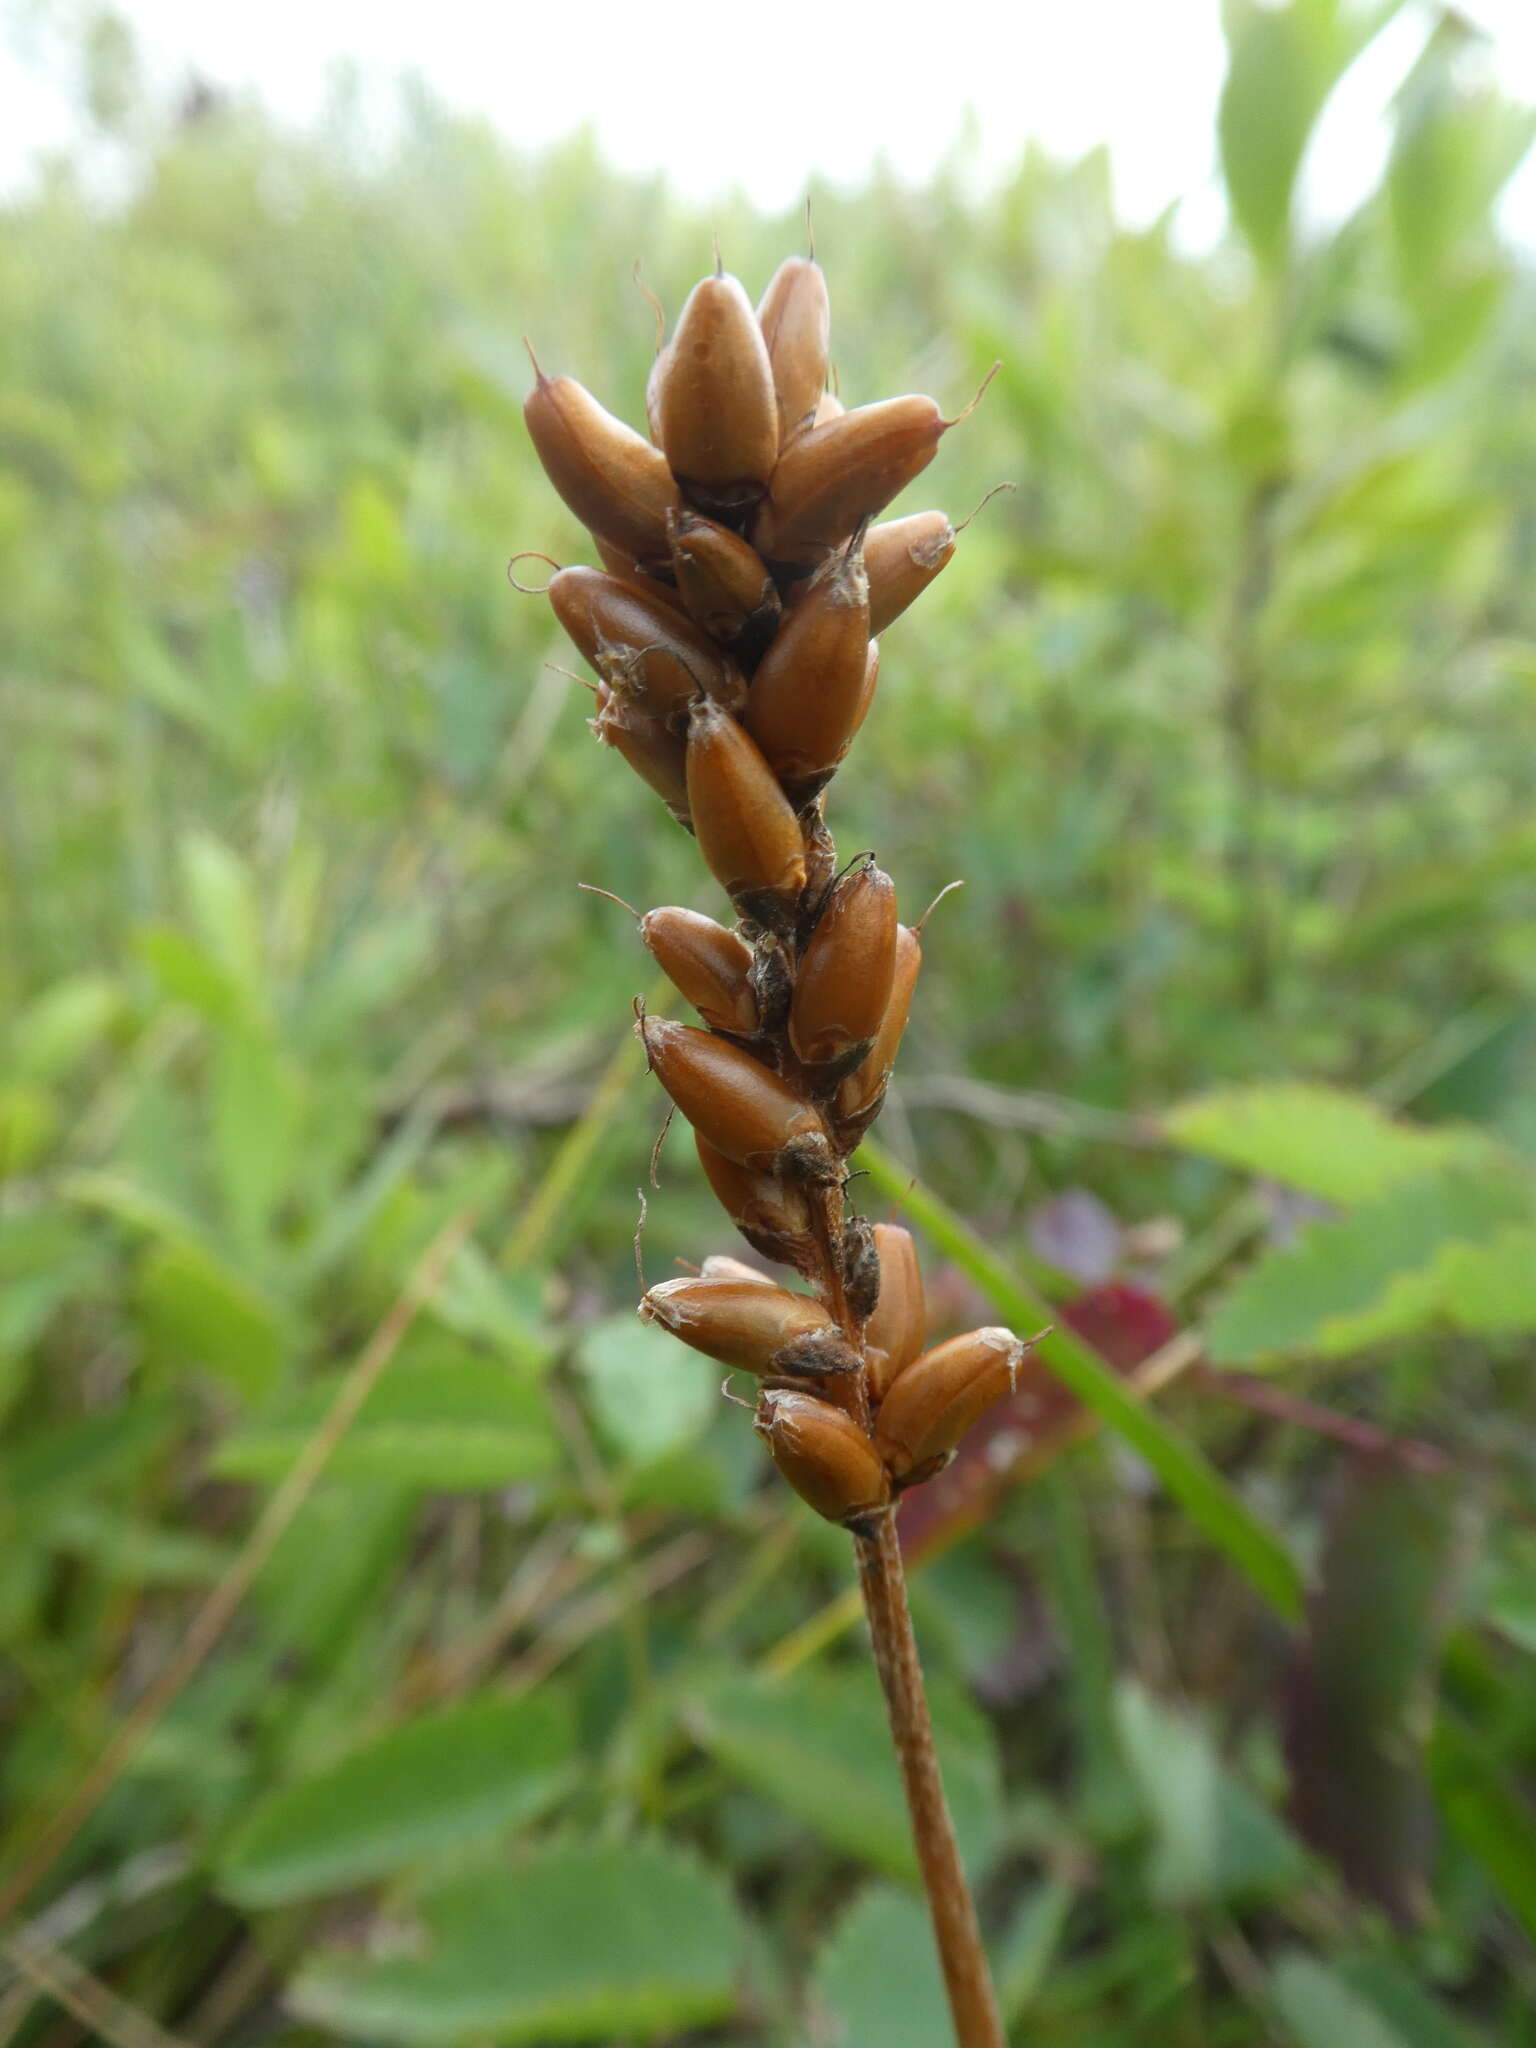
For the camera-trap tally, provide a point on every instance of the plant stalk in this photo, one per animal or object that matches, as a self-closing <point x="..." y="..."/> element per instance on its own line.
<point x="967" y="1979"/>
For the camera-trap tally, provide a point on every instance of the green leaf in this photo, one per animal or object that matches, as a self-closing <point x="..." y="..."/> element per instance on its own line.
<point x="199" y="1316"/>
<point x="1322" y="1141"/>
<point x="63" y="1458"/>
<point x="221" y="899"/>
<point x="1458" y="142"/>
<point x="445" y="1780"/>
<point x="1031" y="1945"/>
<point x="458" y="1425"/>
<point x="1214" y="1841"/>
<point x="1386" y="1983"/>
<point x="1489" y="1289"/>
<point x="878" y="1978"/>
<point x="1322" y="2011"/>
<point x="1366" y="1277"/>
<point x="252" y="1131"/>
<point x="578" y="1943"/>
<point x="29" y="1122"/>
<point x="1188" y="1475"/>
<point x="1283" y="61"/>
<point x="1491" y="1817"/>
<point x="816" y="1744"/>
<point x="65" y="1023"/>
<point x="649" y="1394"/>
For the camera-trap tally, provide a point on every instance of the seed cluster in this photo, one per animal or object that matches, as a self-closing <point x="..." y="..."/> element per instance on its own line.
<point x="733" y="631"/>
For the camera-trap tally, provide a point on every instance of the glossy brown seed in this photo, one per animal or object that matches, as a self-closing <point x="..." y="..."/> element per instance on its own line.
<point x="901" y="558"/>
<point x="746" y="826"/>
<point x="715" y="406"/>
<point x="824" y="1455"/>
<point x="707" y="964"/>
<point x="658" y="755"/>
<point x="804" y="699"/>
<point x="742" y="1107"/>
<point x="772" y="1214"/>
<point x="933" y="1402"/>
<point x="640" y="645"/>
<point x="843" y="988"/>
<point x="859" y="1093"/>
<point x="723" y="583"/>
<point x="750" y="1326"/>
<point x="894" y="1334"/>
<point x="796" y="321"/>
<point x="615" y="482"/>
<point x="831" y="478"/>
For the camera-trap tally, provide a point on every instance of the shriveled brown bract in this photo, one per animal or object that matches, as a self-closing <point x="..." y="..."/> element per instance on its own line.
<point x="731" y="628"/>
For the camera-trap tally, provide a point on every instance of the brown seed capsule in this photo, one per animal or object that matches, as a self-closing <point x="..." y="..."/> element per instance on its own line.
<point x="933" y="1402"/>
<point x="824" y="1455"/>
<point x="742" y="1107"/>
<point x="895" y="1333"/>
<point x="859" y="1094"/>
<point x="746" y="826"/>
<point x="901" y="558"/>
<point x="723" y="583"/>
<point x="751" y="1327"/>
<point x="846" y="973"/>
<point x="707" y="964"/>
<point x="641" y="646"/>
<point x="657" y="755"/>
<point x="615" y="482"/>
<point x="773" y="1215"/>
<point x="796" y="322"/>
<point x="831" y="478"/>
<point x="828" y="407"/>
<point x="804" y="699"/>
<point x="714" y="400"/>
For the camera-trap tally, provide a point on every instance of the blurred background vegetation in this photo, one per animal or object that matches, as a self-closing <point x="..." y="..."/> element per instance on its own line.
<point x="499" y="1721"/>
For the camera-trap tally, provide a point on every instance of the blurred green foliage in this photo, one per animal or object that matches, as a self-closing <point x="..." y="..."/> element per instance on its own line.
<point x="1227" y="715"/>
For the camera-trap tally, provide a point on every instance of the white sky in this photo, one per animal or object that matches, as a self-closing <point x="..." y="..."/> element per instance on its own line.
<point x="765" y="98"/>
